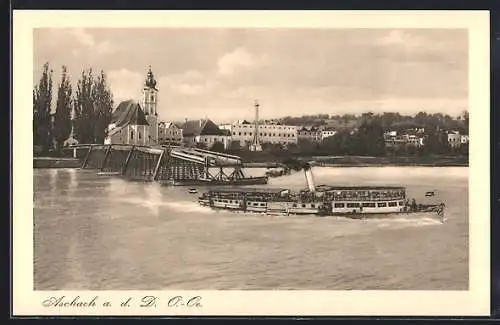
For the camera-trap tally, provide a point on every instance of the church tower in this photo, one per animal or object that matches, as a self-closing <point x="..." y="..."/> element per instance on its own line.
<point x="149" y="103"/>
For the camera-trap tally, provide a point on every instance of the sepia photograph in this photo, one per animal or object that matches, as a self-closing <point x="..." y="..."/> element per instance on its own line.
<point x="251" y="159"/>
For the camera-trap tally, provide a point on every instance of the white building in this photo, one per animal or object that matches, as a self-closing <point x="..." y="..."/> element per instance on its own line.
<point x="309" y="133"/>
<point x="327" y="133"/>
<point x="128" y="125"/>
<point x="204" y="131"/>
<point x="454" y="139"/>
<point x="133" y="124"/>
<point x="243" y="132"/>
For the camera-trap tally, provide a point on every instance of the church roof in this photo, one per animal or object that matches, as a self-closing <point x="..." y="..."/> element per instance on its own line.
<point x="200" y="127"/>
<point x="128" y="112"/>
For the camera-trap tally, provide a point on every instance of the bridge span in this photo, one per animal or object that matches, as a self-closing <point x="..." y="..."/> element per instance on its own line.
<point x="169" y="165"/>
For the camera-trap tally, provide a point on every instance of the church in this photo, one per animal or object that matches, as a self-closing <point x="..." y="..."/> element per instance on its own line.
<point x="136" y="123"/>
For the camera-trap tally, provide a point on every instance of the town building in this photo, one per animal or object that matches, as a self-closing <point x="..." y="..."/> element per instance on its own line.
<point x="408" y="137"/>
<point x="326" y="133"/>
<point x="309" y="133"/>
<point x="204" y="131"/>
<point x="243" y="132"/>
<point x="454" y="139"/>
<point x="128" y="125"/>
<point x="133" y="124"/>
<point x="169" y="134"/>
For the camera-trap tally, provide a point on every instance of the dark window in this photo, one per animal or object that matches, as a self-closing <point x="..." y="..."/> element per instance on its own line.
<point x="353" y="205"/>
<point x="303" y="205"/>
<point x="239" y="133"/>
<point x="262" y="204"/>
<point x="294" y="205"/>
<point x="313" y="205"/>
<point x="401" y="203"/>
<point x="393" y="204"/>
<point x="131" y="135"/>
<point x="339" y="205"/>
<point x="245" y="133"/>
<point x="139" y="135"/>
<point x="250" y="134"/>
<point x="368" y="205"/>
<point x="381" y="204"/>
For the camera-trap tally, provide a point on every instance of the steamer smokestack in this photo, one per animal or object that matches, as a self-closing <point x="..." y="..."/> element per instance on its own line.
<point x="309" y="178"/>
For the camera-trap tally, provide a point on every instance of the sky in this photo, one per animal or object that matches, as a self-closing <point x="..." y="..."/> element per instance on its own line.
<point x="219" y="73"/>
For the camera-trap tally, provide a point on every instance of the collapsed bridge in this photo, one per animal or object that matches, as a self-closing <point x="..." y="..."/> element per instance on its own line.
<point x="168" y="165"/>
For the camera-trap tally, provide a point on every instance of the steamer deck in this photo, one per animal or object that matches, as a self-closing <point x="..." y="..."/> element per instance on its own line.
<point x="323" y="200"/>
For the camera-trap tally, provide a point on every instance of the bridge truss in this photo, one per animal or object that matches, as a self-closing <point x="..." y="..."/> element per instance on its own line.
<point x="163" y="164"/>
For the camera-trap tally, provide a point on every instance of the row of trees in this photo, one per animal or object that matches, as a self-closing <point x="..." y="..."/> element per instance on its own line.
<point x="388" y="120"/>
<point x="84" y="114"/>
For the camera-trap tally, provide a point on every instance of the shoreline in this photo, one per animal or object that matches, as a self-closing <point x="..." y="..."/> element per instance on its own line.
<point x="63" y="162"/>
<point x="56" y="162"/>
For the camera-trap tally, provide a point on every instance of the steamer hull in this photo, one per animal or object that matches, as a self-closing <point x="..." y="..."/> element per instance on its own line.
<point x="322" y="200"/>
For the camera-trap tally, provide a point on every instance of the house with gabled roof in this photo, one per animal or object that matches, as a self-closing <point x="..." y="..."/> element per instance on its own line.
<point x="169" y="133"/>
<point x="203" y="131"/>
<point x="128" y="125"/>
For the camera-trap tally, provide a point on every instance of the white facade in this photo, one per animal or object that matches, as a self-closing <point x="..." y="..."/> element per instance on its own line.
<point x="268" y="133"/>
<point x="327" y="133"/>
<point x="209" y="140"/>
<point x="130" y="134"/>
<point x="454" y="139"/>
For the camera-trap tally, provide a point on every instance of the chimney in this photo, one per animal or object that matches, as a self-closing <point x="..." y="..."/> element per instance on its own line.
<point x="309" y="178"/>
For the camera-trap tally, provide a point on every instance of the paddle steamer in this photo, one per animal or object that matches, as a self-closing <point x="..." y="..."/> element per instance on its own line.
<point x="324" y="200"/>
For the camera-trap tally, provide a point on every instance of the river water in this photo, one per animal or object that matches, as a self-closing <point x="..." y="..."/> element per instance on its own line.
<point x="105" y="233"/>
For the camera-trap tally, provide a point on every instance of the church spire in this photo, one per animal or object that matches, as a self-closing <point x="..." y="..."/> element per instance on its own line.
<point x="150" y="79"/>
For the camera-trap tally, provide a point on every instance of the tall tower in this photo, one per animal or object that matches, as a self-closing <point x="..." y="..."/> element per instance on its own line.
<point x="149" y="103"/>
<point x="255" y="146"/>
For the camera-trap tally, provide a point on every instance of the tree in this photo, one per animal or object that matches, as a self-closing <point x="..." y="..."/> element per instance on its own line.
<point x="103" y="106"/>
<point x="217" y="146"/>
<point x="42" y="103"/>
<point x="84" y="109"/>
<point x="436" y="143"/>
<point x="371" y="137"/>
<point x="62" y="120"/>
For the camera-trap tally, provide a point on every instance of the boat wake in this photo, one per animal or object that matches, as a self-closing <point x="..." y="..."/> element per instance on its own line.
<point x="402" y="222"/>
<point x="177" y="206"/>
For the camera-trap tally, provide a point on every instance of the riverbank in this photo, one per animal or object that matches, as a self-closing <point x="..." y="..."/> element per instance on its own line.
<point x="63" y="162"/>
<point x="56" y="162"/>
<point x="363" y="161"/>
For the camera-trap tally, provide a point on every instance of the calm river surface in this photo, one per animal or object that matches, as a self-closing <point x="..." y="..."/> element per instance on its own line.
<point x="104" y="233"/>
